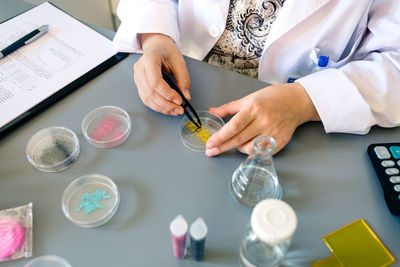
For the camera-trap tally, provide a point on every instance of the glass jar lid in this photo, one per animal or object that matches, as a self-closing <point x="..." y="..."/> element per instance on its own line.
<point x="273" y="221"/>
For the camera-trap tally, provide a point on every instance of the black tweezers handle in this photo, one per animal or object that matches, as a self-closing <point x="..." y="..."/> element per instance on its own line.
<point x="185" y="102"/>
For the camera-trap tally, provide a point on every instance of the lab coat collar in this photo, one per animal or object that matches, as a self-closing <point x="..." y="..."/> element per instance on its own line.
<point x="291" y="14"/>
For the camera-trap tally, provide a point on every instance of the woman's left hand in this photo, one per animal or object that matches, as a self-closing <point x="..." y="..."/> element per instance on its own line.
<point x="274" y="111"/>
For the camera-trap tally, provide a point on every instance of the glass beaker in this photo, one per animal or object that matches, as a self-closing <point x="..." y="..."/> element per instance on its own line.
<point x="255" y="179"/>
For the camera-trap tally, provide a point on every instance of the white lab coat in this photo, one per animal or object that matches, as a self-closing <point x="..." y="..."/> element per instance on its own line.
<point x="359" y="88"/>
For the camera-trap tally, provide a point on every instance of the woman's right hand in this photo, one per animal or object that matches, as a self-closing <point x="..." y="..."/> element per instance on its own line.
<point x="161" y="53"/>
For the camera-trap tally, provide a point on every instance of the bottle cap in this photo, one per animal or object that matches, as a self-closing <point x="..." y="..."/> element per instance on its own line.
<point x="178" y="226"/>
<point x="323" y="61"/>
<point x="198" y="229"/>
<point x="273" y="221"/>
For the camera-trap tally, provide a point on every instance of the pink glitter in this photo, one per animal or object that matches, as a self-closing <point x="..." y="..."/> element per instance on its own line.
<point x="11" y="236"/>
<point x="178" y="245"/>
<point x="117" y="133"/>
<point x="178" y="228"/>
<point x="105" y="129"/>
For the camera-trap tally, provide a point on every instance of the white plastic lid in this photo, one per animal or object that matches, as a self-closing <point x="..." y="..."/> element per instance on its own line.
<point x="178" y="226"/>
<point x="273" y="221"/>
<point x="198" y="229"/>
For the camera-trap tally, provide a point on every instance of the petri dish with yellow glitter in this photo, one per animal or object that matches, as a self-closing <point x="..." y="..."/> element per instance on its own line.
<point x="195" y="138"/>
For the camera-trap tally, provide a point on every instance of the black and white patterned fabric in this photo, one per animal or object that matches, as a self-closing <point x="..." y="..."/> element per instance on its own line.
<point x="241" y="44"/>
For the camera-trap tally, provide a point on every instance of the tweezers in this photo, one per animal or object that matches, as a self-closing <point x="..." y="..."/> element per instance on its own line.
<point x="187" y="108"/>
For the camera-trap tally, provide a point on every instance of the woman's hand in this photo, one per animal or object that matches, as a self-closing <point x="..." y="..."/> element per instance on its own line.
<point x="274" y="111"/>
<point x="161" y="53"/>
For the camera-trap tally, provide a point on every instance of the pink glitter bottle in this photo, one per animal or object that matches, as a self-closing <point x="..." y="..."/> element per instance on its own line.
<point x="179" y="228"/>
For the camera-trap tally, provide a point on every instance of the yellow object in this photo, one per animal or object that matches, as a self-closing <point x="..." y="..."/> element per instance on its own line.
<point x="201" y="133"/>
<point x="355" y="245"/>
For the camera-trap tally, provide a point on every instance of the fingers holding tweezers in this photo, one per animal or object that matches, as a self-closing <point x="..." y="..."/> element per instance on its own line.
<point x="151" y="97"/>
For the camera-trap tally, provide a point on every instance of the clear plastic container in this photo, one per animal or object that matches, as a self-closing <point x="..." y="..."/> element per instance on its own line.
<point x="106" y="126"/>
<point x="48" y="261"/>
<point x="90" y="200"/>
<point x="268" y="235"/>
<point x="53" y="149"/>
<point x="255" y="179"/>
<point x="196" y="140"/>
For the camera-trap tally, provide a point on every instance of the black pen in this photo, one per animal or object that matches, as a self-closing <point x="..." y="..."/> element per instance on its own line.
<point x="30" y="37"/>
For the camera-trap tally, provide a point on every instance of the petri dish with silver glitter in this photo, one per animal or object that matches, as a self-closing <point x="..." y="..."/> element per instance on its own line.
<point x="90" y="200"/>
<point x="53" y="149"/>
<point x="48" y="261"/>
<point x="106" y="126"/>
<point x="195" y="138"/>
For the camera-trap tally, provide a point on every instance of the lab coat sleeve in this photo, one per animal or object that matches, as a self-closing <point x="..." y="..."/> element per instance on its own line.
<point x="145" y="16"/>
<point x="365" y="91"/>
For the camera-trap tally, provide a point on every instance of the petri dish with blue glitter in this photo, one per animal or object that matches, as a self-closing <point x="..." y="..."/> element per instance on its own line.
<point x="90" y="200"/>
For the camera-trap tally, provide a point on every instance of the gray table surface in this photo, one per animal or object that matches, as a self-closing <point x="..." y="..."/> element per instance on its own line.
<point x="327" y="179"/>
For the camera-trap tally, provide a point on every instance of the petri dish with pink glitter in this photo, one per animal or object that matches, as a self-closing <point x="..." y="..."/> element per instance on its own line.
<point x="106" y="126"/>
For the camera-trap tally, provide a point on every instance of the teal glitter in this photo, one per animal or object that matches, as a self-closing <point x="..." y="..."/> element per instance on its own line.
<point x="91" y="202"/>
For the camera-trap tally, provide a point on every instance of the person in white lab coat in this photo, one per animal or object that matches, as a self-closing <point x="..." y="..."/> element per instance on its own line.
<point x="359" y="88"/>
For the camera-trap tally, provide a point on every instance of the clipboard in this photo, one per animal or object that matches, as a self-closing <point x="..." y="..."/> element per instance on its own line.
<point x="63" y="91"/>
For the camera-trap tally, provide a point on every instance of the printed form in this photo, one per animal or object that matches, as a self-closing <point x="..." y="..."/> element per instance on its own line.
<point x="36" y="71"/>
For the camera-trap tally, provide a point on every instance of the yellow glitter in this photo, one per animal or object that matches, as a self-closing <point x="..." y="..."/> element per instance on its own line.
<point x="201" y="133"/>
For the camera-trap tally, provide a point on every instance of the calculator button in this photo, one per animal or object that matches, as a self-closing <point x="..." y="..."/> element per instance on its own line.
<point x="382" y="152"/>
<point x="392" y="171"/>
<point x="388" y="163"/>
<point x="395" y="179"/>
<point x="395" y="151"/>
<point x="398" y="163"/>
<point x="397" y="188"/>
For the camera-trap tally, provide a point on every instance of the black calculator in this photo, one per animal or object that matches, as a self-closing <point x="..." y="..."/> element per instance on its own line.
<point x="385" y="158"/>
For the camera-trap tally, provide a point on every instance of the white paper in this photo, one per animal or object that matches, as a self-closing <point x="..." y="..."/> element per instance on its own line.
<point x="35" y="71"/>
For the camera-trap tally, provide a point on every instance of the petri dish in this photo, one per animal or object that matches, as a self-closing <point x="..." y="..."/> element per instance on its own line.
<point x="106" y="126"/>
<point x="196" y="140"/>
<point x="53" y="149"/>
<point x="48" y="261"/>
<point x="90" y="200"/>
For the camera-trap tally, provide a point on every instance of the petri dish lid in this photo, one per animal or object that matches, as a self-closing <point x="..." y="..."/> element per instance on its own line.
<point x="53" y="149"/>
<point x="48" y="261"/>
<point x="106" y="126"/>
<point x="196" y="139"/>
<point x="90" y="200"/>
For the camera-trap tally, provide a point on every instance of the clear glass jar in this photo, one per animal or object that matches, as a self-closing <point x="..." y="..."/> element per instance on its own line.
<point x="268" y="235"/>
<point x="255" y="179"/>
